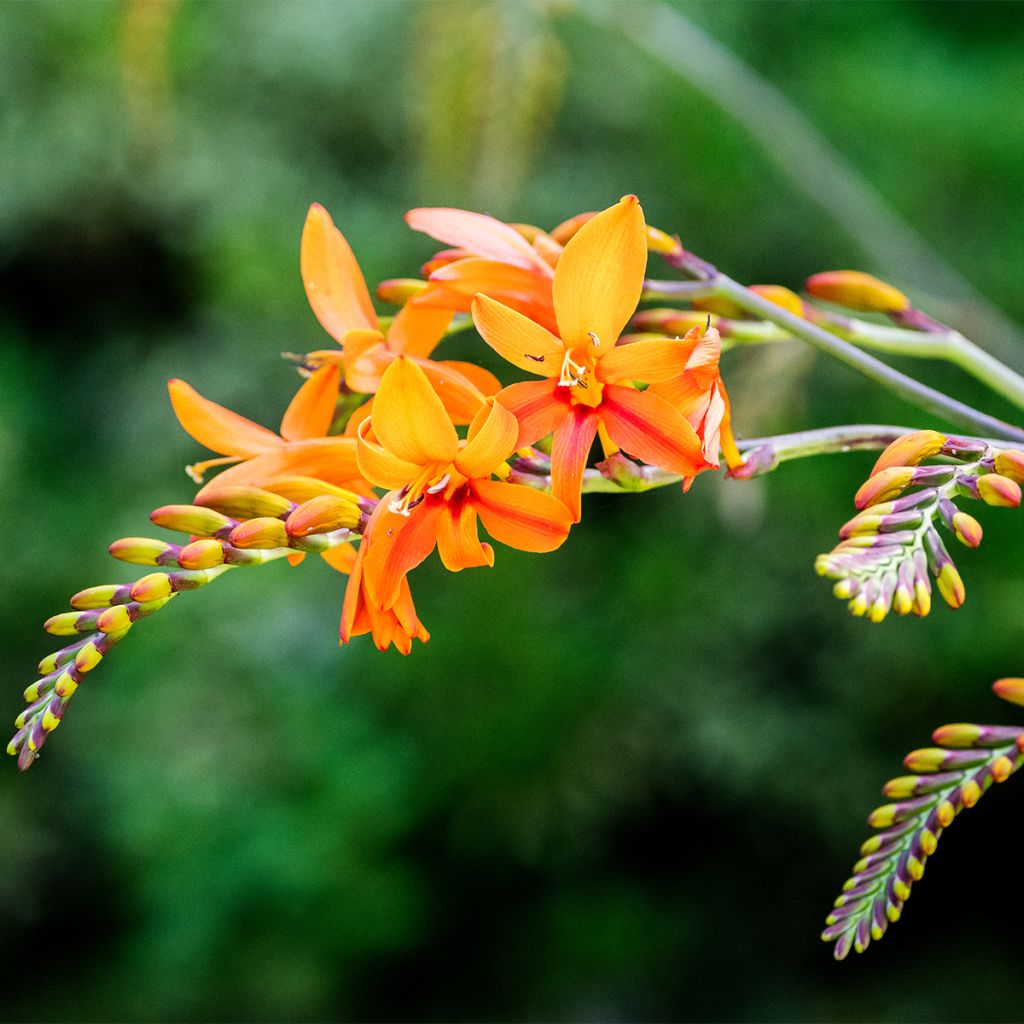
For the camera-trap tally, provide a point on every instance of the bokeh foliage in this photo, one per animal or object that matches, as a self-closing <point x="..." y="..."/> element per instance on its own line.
<point x="623" y="780"/>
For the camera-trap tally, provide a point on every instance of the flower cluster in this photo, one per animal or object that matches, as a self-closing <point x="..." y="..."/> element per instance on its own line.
<point x="892" y="547"/>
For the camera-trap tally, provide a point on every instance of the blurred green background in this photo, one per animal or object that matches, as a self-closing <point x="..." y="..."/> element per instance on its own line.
<point x="623" y="781"/>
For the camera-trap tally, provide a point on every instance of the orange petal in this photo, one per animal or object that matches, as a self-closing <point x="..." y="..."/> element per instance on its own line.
<point x="647" y="361"/>
<point x="570" y="449"/>
<point x="483" y="380"/>
<point x="409" y="419"/>
<point x="686" y="394"/>
<point x="342" y="558"/>
<point x="476" y="233"/>
<point x="332" y="459"/>
<point x="539" y="406"/>
<point x="521" y="517"/>
<point x="405" y="612"/>
<point x="379" y="466"/>
<point x="600" y="275"/>
<point x="399" y="543"/>
<point x="312" y="409"/>
<point x="705" y="357"/>
<point x="492" y="439"/>
<point x="417" y="329"/>
<point x="334" y="283"/>
<point x="458" y="542"/>
<point x="216" y="427"/>
<point x="457" y="390"/>
<point x="648" y="428"/>
<point x="517" y="338"/>
<point x="523" y="290"/>
<point x="364" y="371"/>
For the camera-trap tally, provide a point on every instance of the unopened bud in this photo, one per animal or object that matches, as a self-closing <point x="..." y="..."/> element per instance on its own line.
<point x="95" y="597"/>
<point x="322" y="515"/>
<point x="883" y="486"/>
<point x="958" y="735"/>
<point x="399" y="290"/>
<point x="143" y="551"/>
<point x="720" y="305"/>
<point x="857" y="290"/>
<point x="190" y="519"/>
<point x="1010" y="689"/>
<point x="152" y="587"/>
<point x="780" y="296"/>
<point x="950" y="585"/>
<point x="1011" y="464"/>
<point x="967" y="529"/>
<point x="243" y="502"/>
<point x="260" y="533"/>
<point x="660" y="242"/>
<point x="910" y="450"/>
<point x="201" y="554"/>
<point x="1000" y="491"/>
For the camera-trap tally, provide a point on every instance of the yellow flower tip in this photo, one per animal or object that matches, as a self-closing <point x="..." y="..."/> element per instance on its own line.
<point x="927" y="759"/>
<point x="322" y="514"/>
<point x="922" y="599"/>
<point x="915" y="868"/>
<point x="50" y="721"/>
<point x="900" y="889"/>
<point x="901" y="788"/>
<point x="958" y="735"/>
<point x="1002" y="769"/>
<point x="882" y="817"/>
<point x="190" y="519"/>
<point x="781" y="297"/>
<point x="929" y="842"/>
<point x="951" y="586"/>
<point x="660" y="242"/>
<point x="629" y="200"/>
<point x="398" y="291"/>
<point x="945" y="814"/>
<point x="1010" y="463"/>
<point x="858" y="606"/>
<point x="856" y="290"/>
<point x="843" y="589"/>
<point x="893" y="913"/>
<point x="113" y="620"/>
<point x="1000" y="491"/>
<point x="1010" y="689"/>
<point x="967" y="529"/>
<point x="910" y="450"/>
<point x="884" y="485"/>
<point x="152" y="587"/>
<point x="970" y="793"/>
<point x="87" y="658"/>
<point x="902" y="601"/>
<point x="878" y="611"/>
<point x="65" y="685"/>
<point x="201" y="554"/>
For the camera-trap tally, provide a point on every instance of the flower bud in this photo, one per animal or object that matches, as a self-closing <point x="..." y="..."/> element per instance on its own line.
<point x="910" y="450"/>
<point x="260" y="533"/>
<point x="1000" y="491"/>
<point x="190" y="519"/>
<point x="152" y="587"/>
<point x="658" y="241"/>
<point x="959" y="735"/>
<point x="399" y="290"/>
<point x="95" y="597"/>
<point x="143" y="551"/>
<point x="967" y="529"/>
<point x="857" y="290"/>
<point x="883" y="486"/>
<point x="1010" y="689"/>
<point x="1011" y="464"/>
<point x="244" y="502"/>
<point x="201" y="554"/>
<point x="780" y="296"/>
<point x="951" y="586"/>
<point x="322" y="515"/>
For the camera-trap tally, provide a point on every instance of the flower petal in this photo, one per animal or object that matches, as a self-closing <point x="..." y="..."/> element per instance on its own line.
<point x="645" y="426"/>
<point x="570" y="448"/>
<point x="218" y="428"/>
<point x="332" y="459"/>
<point x="334" y="283"/>
<point x="457" y="392"/>
<point x="483" y="380"/>
<point x="416" y="329"/>
<point x="492" y="439"/>
<point x="476" y="233"/>
<point x="342" y="557"/>
<point x="646" y="361"/>
<point x="399" y="543"/>
<point x="379" y="466"/>
<point x="312" y="409"/>
<point x="458" y="541"/>
<point x="538" y="405"/>
<point x="409" y="419"/>
<point x="521" y="517"/>
<point x="600" y="276"/>
<point x="523" y="290"/>
<point x="517" y="338"/>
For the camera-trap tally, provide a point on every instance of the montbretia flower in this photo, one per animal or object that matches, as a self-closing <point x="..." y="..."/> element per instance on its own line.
<point x="338" y="296"/>
<point x="590" y="381"/>
<point x="300" y="450"/>
<point x="489" y="256"/>
<point x="439" y="486"/>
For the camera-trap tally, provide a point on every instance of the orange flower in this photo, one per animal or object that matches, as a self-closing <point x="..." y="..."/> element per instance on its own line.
<point x="439" y="485"/>
<point x="699" y="394"/>
<point x="490" y="257"/>
<point x="301" y="449"/>
<point x="338" y="295"/>
<point x="590" y="381"/>
<point x="399" y="624"/>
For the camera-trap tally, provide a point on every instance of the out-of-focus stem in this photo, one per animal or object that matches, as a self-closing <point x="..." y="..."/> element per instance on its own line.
<point x="935" y="402"/>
